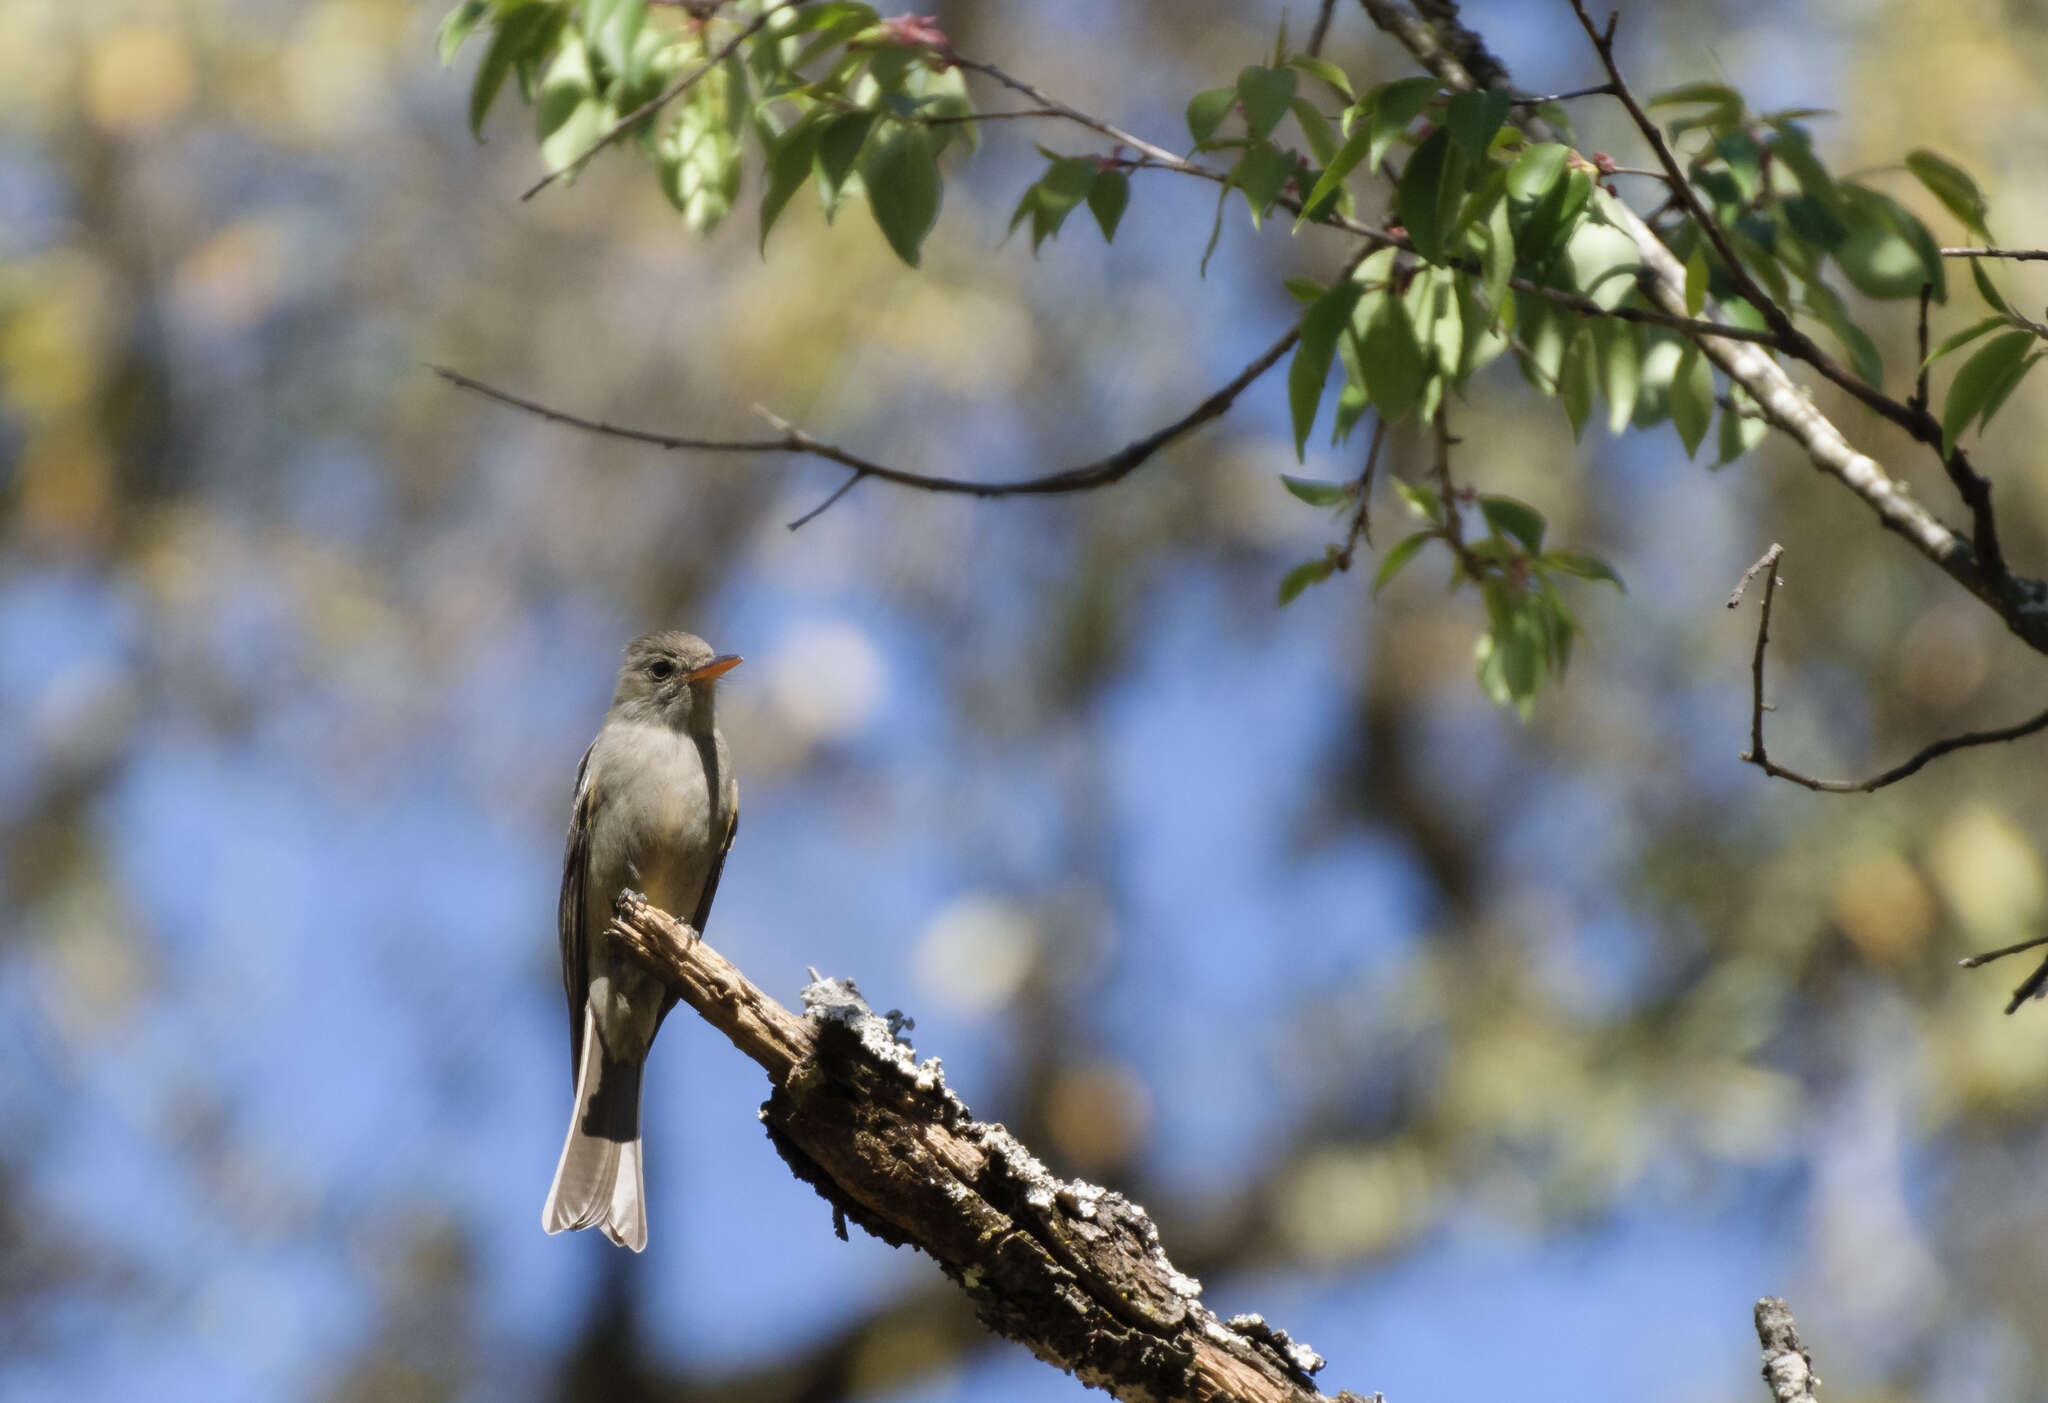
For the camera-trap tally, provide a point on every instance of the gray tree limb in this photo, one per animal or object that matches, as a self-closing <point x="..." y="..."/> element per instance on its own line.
<point x="1073" y="1271"/>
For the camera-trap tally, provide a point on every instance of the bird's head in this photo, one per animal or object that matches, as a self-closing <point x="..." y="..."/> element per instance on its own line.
<point x="668" y="677"/>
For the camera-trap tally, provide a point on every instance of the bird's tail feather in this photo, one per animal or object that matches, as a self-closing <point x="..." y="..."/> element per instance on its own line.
<point x="598" y="1181"/>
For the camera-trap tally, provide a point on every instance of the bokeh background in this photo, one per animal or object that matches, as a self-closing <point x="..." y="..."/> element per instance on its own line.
<point x="1490" y="1058"/>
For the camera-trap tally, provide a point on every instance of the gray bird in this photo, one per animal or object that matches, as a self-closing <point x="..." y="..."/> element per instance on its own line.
<point x="656" y="808"/>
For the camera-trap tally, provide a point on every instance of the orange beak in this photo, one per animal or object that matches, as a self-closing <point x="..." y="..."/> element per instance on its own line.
<point x="717" y="667"/>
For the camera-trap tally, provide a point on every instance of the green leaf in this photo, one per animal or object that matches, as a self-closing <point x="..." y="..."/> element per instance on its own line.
<point x="456" y="26"/>
<point x="839" y="145"/>
<point x="1603" y="262"/>
<point x="1692" y="398"/>
<point x="1724" y="106"/>
<point x="1956" y="340"/>
<point x="1792" y="147"/>
<point x="613" y="32"/>
<point x="1206" y="111"/>
<point x="1584" y="567"/>
<point x="1985" y="288"/>
<point x="1827" y="305"/>
<point x="899" y="166"/>
<point x="835" y="14"/>
<point x="1696" y="279"/>
<point x="1335" y="170"/>
<point x="1536" y="171"/>
<point x="1107" y="196"/>
<point x="1264" y="93"/>
<point x="1546" y="331"/>
<point x="1329" y="72"/>
<point x="2005" y="387"/>
<point x="1262" y="173"/>
<point x="1715" y="94"/>
<point x="1889" y="253"/>
<point x="1059" y="192"/>
<point x="1813" y="222"/>
<point x="1970" y="393"/>
<point x="1497" y="265"/>
<point x="1392" y="107"/>
<point x="1320" y="326"/>
<point x="1421" y="500"/>
<point x="1318" y="493"/>
<point x="522" y="35"/>
<point x="1952" y="185"/>
<point x="1474" y="117"/>
<point x="1431" y="185"/>
<point x="571" y="116"/>
<point x="1575" y="382"/>
<point x="1542" y="229"/>
<point x="1315" y="130"/>
<point x="1393" y="361"/>
<point x="1309" y="572"/>
<point x="1618" y="363"/>
<point x="1302" y="289"/>
<point x="1398" y="555"/>
<point x="1508" y="517"/>
<point x="790" y="160"/>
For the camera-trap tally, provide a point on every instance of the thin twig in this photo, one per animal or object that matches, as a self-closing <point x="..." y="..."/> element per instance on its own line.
<point x="1772" y="313"/>
<point x="2032" y="987"/>
<point x="1084" y="477"/>
<point x="1768" y="558"/>
<point x="1361" y="519"/>
<point x="1597" y="90"/>
<point x="1786" y="337"/>
<point x="1321" y="32"/>
<point x="1985" y="958"/>
<point x="1920" y="758"/>
<point x="2017" y="255"/>
<point x="669" y="94"/>
<point x="819" y="510"/>
<point x="1920" y="393"/>
<point x="950" y="118"/>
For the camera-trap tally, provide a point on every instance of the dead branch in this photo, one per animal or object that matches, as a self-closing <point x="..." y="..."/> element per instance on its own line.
<point x="1071" y="1270"/>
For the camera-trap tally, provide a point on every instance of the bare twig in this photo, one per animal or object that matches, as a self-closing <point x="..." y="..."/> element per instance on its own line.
<point x="2032" y="987"/>
<point x="952" y="118"/>
<point x="1361" y="517"/>
<point x="1321" y="32"/>
<point x="1597" y="90"/>
<point x="1084" y="477"/>
<point x="682" y="84"/>
<point x="1788" y="1368"/>
<point x="1768" y="559"/>
<point x="1071" y="1270"/>
<point x="1756" y="755"/>
<point x="2018" y="255"/>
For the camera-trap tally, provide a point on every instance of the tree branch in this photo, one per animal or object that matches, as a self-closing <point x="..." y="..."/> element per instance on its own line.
<point x="1755" y="755"/>
<point x="2018" y="255"/>
<point x="2021" y="603"/>
<point x="1073" y="1271"/>
<point x="1788" y="1368"/>
<point x="2032" y="987"/>
<point x="1084" y="477"/>
<point x="682" y="84"/>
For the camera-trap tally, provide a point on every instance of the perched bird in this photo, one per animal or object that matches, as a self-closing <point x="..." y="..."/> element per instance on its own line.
<point x="656" y="808"/>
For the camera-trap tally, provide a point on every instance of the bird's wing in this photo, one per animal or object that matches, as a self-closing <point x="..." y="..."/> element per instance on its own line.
<point x="703" y="912"/>
<point x="575" y="943"/>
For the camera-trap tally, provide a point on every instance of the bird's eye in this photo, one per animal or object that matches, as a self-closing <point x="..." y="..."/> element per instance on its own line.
<point x="661" y="669"/>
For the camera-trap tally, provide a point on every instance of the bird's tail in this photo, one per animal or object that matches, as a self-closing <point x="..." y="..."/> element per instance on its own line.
<point x="597" y="1181"/>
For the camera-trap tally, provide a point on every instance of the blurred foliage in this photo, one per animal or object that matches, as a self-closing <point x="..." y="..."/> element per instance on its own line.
<point x="1267" y="917"/>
